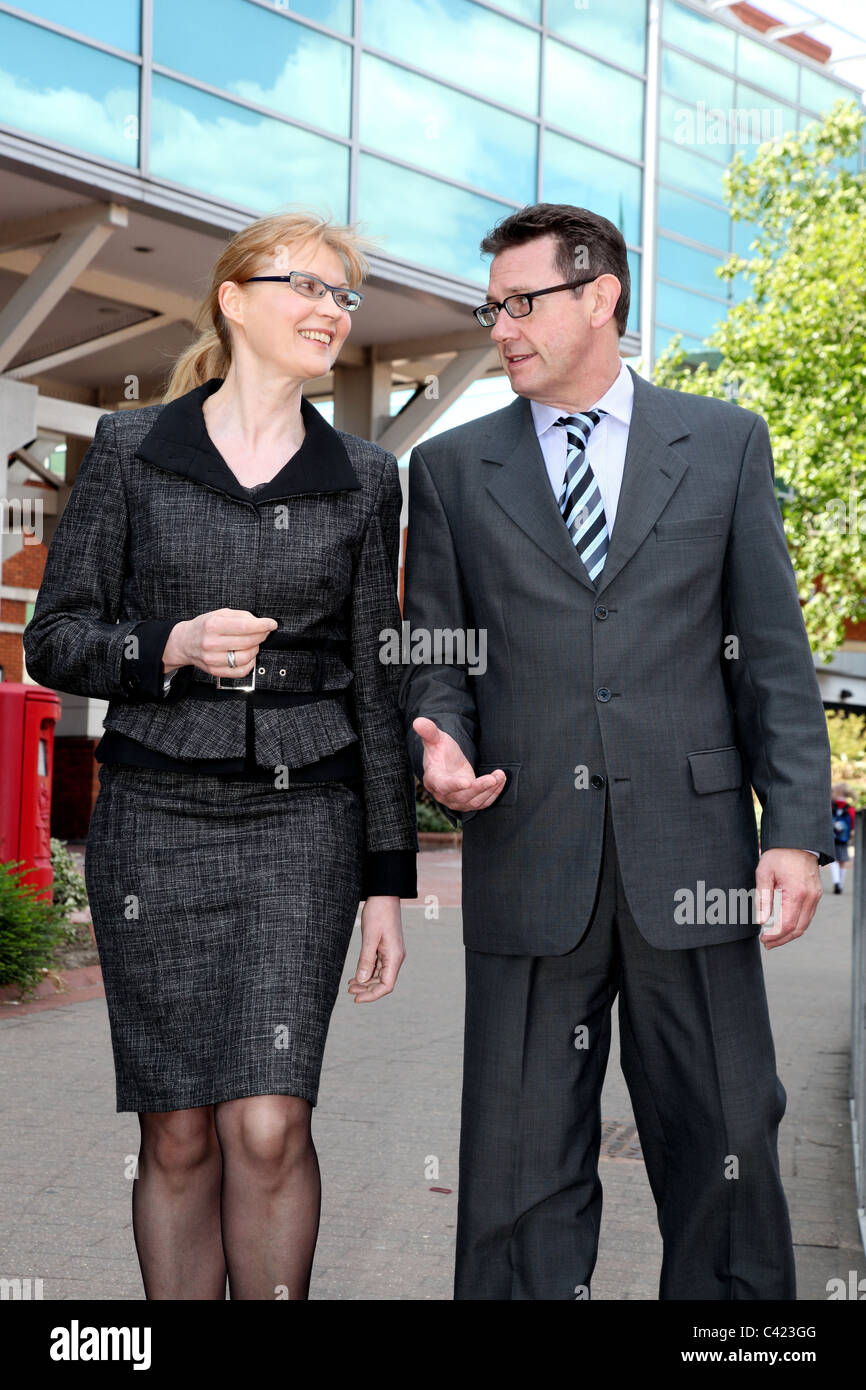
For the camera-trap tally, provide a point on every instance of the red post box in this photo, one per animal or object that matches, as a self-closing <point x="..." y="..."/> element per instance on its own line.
<point x="28" y="714"/>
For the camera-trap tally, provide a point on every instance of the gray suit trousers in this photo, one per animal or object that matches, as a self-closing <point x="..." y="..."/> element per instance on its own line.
<point x="698" y="1058"/>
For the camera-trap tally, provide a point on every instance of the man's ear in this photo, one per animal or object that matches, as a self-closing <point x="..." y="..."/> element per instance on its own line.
<point x="606" y="291"/>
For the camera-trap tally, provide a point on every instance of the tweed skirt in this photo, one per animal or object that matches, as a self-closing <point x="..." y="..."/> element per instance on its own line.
<point x="222" y="910"/>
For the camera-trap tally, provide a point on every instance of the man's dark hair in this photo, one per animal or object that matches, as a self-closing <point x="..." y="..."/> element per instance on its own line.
<point x="577" y="230"/>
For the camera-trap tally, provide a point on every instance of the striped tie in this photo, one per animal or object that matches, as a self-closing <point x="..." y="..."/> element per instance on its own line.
<point x="580" y="500"/>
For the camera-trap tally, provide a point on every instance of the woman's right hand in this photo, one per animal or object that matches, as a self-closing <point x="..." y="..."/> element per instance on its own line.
<point x="205" y="640"/>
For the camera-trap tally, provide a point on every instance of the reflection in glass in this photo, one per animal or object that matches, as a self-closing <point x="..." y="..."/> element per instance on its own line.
<point x="587" y="178"/>
<point x="698" y="33"/>
<point x="258" y="55"/>
<point x="417" y="119"/>
<point x="693" y="219"/>
<point x="610" y="108"/>
<point x="241" y="156"/>
<point x="767" y="67"/>
<point x="819" y="93"/>
<point x="704" y="128"/>
<point x="687" y="266"/>
<point x="615" y="29"/>
<point x="67" y="92"/>
<point x="634" y="305"/>
<point x="691" y="171"/>
<point x="421" y="219"/>
<point x="462" y="42"/>
<point x="760" y="118"/>
<point x="692" y="81"/>
<point x="334" y="14"/>
<point x="118" y="23"/>
<point x="689" y="312"/>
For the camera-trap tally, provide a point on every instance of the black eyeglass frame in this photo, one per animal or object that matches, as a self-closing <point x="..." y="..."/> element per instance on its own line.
<point x="530" y="295"/>
<point x="307" y="275"/>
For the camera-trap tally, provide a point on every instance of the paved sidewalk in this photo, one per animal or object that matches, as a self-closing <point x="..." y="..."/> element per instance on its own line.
<point x="387" y="1130"/>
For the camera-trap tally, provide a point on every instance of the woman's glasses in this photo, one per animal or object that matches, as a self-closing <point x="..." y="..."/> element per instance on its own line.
<point x="311" y="287"/>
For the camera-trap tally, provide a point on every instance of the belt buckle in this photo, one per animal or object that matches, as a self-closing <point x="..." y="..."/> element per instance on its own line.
<point x="251" y="686"/>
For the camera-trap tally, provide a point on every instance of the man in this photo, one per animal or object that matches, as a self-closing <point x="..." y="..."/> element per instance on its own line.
<point x="622" y="549"/>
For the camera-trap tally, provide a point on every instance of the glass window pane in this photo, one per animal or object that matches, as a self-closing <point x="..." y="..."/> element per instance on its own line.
<point x="697" y="269"/>
<point x="693" y="219"/>
<point x="462" y="42"/>
<point x="634" y="265"/>
<point x="334" y="14"/>
<point x="819" y="93"/>
<point x="616" y="28"/>
<point x="744" y="234"/>
<point x="691" y="313"/>
<point x="523" y="9"/>
<point x="118" y="23"/>
<point x="241" y="156"/>
<point x="420" y="219"/>
<point x="698" y="33"/>
<point x="68" y="92"/>
<point x="760" y="119"/>
<point x="696" y="127"/>
<point x="424" y="123"/>
<point x="694" y="82"/>
<point x="691" y="171"/>
<point x="259" y="55"/>
<point x="664" y="335"/>
<point x="589" y="179"/>
<point x="610" y="109"/>
<point x="766" y="67"/>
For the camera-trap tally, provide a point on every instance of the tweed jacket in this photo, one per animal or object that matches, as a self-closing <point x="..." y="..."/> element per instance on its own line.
<point x="157" y="529"/>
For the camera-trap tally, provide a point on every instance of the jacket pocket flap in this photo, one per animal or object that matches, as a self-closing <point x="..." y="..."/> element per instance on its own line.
<point x="185" y="728"/>
<point x="294" y="735"/>
<point x="716" y="769"/>
<point x="689" y="528"/>
<point x="507" y="796"/>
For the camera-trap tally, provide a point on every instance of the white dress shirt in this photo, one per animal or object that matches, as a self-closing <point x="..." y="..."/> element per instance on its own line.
<point x="605" y="451"/>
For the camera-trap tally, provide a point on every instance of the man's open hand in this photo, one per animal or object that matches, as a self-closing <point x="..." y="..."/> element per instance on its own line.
<point x="448" y="773"/>
<point x="795" y="872"/>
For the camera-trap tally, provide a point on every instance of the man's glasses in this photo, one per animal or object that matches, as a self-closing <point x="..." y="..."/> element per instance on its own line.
<point x="517" y="306"/>
<point x="311" y="287"/>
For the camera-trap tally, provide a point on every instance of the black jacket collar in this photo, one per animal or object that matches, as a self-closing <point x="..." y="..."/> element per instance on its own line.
<point x="179" y="443"/>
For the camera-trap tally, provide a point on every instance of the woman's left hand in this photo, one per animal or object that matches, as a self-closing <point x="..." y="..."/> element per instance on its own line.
<point x="382" y="949"/>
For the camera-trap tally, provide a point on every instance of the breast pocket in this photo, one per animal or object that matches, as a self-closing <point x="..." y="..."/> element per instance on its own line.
<point x="508" y="795"/>
<point x="690" y="528"/>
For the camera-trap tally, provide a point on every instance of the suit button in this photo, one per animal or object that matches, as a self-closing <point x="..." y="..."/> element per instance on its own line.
<point x="602" y="694"/>
<point x="601" y="611"/>
<point x="597" y="780"/>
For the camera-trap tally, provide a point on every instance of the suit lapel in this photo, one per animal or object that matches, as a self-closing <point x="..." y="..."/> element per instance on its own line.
<point x="651" y="474"/>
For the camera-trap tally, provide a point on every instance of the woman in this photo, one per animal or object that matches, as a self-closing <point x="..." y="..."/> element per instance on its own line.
<point x="221" y="573"/>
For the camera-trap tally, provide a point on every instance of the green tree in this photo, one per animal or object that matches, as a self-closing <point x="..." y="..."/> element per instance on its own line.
<point x="794" y="349"/>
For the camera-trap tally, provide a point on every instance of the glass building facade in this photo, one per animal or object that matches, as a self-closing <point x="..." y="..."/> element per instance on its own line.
<point x="428" y="120"/>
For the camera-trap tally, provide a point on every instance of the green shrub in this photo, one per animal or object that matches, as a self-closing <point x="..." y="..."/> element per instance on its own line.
<point x="31" y="929"/>
<point x="68" y="888"/>
<point x="428" y="814"/>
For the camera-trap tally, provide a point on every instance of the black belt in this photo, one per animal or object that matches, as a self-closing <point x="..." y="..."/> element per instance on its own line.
<point x="285" y="668"/>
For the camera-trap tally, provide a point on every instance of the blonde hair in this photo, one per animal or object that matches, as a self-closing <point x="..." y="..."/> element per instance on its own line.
<point x="842" y="789"/>
<point x="211" y="353"/>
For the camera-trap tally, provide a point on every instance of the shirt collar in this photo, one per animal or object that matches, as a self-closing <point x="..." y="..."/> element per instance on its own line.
<point x="178" y="442"/>
<point x="617" y="401"/>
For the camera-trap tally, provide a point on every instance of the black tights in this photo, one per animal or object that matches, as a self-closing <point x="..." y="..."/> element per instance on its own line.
<point x="231" y="1189"/>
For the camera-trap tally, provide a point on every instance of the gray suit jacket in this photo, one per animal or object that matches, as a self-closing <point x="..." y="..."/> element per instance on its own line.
<point x="624" y="690"/>
<point x="157" y="529"/>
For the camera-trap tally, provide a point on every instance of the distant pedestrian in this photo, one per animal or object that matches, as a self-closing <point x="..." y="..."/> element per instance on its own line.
<point x="843" y="832"/>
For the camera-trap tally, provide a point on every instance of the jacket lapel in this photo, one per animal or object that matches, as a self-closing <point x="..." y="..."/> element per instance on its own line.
<point x="651" y="474"/>
<point x="179" y="443"/>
